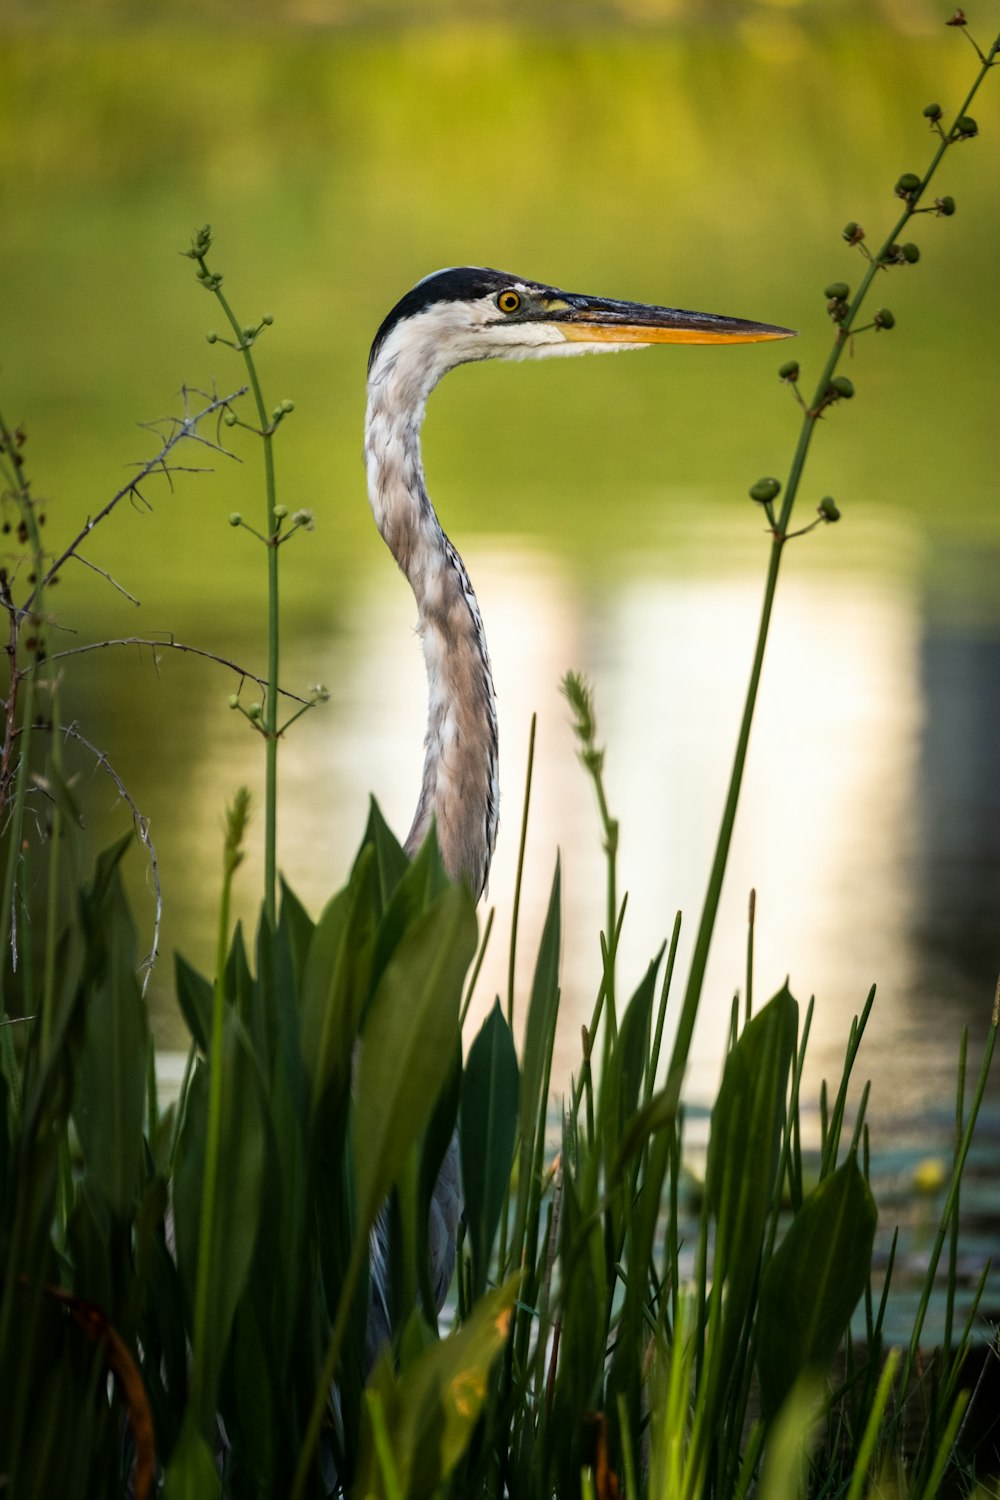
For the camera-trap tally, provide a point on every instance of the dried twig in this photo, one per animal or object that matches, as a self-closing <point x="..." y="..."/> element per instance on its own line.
<point x="170" y="645"/>
<point x="178" y="429"/>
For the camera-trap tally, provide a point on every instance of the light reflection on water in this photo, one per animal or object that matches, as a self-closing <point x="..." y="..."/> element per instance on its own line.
<point x="837" y="828"/>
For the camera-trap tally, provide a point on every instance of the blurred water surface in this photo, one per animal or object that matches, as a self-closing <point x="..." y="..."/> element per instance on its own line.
<point x="601" y="505"/>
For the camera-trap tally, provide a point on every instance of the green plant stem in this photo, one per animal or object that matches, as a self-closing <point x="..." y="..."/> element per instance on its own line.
<point x="270" y="724"/>
<point x="213" y="1133"/>
<point x="949" y="1312"/>
<point x="710" y="908"/>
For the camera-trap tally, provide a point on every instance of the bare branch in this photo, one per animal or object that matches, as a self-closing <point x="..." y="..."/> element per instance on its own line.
<point x="79" y="557"/>
<point x="170" y="645"/>
<point x="177" y="429"/>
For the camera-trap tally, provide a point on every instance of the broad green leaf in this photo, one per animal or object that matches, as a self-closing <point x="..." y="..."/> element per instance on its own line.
<point x="744" y="1144"/>
<point x="298" y="926"/>
<point x="419" y="887"/>
<point x="408" y="1042"/>
<point x="239" y="987"/>
<point x="194" y="996"/>
<point x="390" y="859"/>
<point x="237" y="1195"/>
<point x="812" y="1283"/>
<point x="626" y="1066"/>
<point x="335" y="983"/>
<point x="110" y="1093"/>
<point x="489" y="1129"/>
<point x="192" y="1474"/>
<point x="432" y="1410"/>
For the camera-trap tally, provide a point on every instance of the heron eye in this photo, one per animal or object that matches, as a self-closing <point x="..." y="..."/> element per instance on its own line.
<point x="509" y="302"/>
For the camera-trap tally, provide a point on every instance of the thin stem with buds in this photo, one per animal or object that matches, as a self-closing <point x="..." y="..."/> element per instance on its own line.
<point x="889" y="254"/>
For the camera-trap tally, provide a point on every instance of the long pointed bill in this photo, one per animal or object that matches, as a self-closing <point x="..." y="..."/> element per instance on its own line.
<point x="600" y="320"/>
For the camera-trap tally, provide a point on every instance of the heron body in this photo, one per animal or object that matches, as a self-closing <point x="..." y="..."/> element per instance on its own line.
<point x="455" y="317"/>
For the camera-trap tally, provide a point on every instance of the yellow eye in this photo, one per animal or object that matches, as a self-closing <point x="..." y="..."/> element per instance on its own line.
<point x="509" y="302"/>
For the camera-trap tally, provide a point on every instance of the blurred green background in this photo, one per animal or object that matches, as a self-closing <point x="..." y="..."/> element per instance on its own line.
<point x="705" y="156"/>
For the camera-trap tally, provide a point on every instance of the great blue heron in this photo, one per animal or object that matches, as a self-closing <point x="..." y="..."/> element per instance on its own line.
<point x="451" y="318"/>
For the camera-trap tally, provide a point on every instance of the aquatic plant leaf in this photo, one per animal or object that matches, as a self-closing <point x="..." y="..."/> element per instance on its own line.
<point x="408" y="1042"/>
<point x="298" y="927"/>
<point x="391" y="862"/>
<point x="418" y="888"/>
<point x="744" y="1144"/>
<point x="626" y="1065"/>
<point x="110" y="1092"/>
<point x="812" y="1283"/>
<point x="334" y="986"/>
<point x="490" y="1087"/>
<point x="192" y="1474"/>
<point x="194" y="996"/>
<point x="431" y="1411"/>
<point x="237" y="1195"/>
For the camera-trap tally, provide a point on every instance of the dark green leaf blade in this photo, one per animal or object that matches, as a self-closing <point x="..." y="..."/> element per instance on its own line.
<point x="812" y="1283"/>
<point x="489" y="1127"/>
<point x="237" y="1196"/>
<point x="110" y="1094"/>
<point x="408" y="1042"/>
<point x="744" y="1144"/>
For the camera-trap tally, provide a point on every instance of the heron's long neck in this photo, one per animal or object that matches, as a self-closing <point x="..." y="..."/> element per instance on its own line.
<point x="459" y="788"/>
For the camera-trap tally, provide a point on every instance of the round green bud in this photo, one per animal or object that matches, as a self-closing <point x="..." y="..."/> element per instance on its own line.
<point x="911" y="254"/>
<point x="287" y="406"/>
<point x="211" y="338"/>
<point x="884" y="318"/>
<point x="280" y="512"/>
<point x="853" y="233"/>
<point x="932" y="111"/>
<point x="764" y="490"/>
<point x="267" y="320"/>
<point x="965" y="126"/>
<point x="908" y="185"/>
<point x="234" y="701"/>
<point x="838" y="291"/>
<point x="945" y="206"/>
<point x="789" y="370"/>
<point x="842" y="387"/>
<point x="255" y="710"/>
<point x="230" y="419"/>
<point x="236" y="519"/>
<point x="829" y="509"/>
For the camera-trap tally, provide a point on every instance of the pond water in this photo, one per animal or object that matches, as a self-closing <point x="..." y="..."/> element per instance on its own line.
<point x="600" y="505"/>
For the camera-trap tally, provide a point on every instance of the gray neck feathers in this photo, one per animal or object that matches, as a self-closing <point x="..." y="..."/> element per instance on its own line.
<point x="459" y="790"/>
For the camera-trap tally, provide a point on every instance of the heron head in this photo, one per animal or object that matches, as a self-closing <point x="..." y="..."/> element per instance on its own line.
<point x="472" y="313"/>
